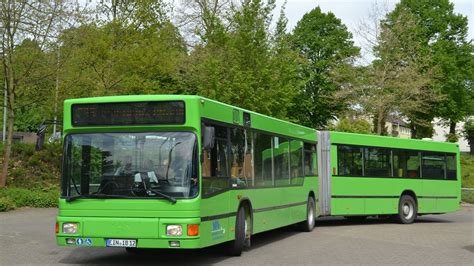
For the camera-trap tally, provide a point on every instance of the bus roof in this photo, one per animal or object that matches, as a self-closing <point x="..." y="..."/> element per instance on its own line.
<point x="391" y="142"/>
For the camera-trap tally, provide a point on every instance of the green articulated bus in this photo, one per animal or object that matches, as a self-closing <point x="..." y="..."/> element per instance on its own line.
<point x="363" y="175"/>
<point x="186" y="172"/>
<point x="170" y="171"/>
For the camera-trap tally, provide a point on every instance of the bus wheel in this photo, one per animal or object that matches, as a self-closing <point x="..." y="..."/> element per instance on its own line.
<point x="242" y="233"/>
<point x="308" y="224"/>
<point x="407" y="210"/>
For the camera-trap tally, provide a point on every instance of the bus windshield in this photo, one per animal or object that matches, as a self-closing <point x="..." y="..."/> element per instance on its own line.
<point x="130" y="165"/>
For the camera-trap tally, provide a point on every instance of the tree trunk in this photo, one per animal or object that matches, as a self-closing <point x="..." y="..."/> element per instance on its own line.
<point x="379" y="124"/>
<point x="413" y="130"/>
<point x="7" y="147"/>
<point x="452" y="127"/>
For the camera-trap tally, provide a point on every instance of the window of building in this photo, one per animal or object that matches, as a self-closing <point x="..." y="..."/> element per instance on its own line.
<point x="349" y="160"/>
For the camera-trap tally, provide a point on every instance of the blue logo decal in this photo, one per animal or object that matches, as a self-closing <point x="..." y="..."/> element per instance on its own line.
<point x="88" y="242"/>
<point x="216" y="225"/>
<point x="79" y="241"/>
<point x="217" y="230"/>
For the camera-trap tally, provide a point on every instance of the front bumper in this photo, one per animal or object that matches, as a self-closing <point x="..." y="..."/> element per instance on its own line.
<point x="148" y="232"/>
<point x="141" y="242"/>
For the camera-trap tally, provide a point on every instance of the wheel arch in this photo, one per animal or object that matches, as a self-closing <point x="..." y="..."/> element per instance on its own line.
<point x="247" y="204"/>
<point x="312" y="194"/>
<point x="411" y="193"/>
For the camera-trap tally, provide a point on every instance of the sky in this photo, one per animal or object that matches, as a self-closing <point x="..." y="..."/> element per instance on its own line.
<point x="353" y="12"/>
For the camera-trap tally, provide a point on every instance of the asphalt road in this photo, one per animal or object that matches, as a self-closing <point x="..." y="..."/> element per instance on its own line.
<point x="27" y="237"/>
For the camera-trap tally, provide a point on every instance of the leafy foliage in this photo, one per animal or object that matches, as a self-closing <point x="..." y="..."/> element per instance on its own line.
<point x="325" y="45"/>
<point x="247" y="65"/>
<point x="443" y="36"/>
<point x="352" y="126"/>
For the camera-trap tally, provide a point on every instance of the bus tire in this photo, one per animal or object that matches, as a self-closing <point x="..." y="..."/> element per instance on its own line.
<point x="309" y="223"/>
<point x="407" y="210"/>
<point x="241" y="240"/>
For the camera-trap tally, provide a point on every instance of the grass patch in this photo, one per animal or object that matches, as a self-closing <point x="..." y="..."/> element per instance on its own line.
<point x="467" y="196"/>
<point x="467" y="170"/>
<point x="11" y="198"/>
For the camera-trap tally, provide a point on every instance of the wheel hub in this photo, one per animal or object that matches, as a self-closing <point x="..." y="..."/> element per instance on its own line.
<point x="407" y="210"/>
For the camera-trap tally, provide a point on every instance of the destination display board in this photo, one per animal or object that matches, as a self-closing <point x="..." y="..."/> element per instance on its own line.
<point x="128" y="113"/>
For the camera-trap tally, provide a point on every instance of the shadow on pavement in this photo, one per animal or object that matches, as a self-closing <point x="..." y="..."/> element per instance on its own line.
<point x="211" y="255"/>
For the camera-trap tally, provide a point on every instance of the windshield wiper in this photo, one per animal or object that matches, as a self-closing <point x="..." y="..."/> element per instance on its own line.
<point x="150" y="191"/>
<point x="96" y="196"/>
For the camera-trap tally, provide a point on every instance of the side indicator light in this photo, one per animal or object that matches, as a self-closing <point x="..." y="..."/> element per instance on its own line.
<point x="193" y="229"/>
<point x="57" y="227"/>
<point x="334" y="171"/>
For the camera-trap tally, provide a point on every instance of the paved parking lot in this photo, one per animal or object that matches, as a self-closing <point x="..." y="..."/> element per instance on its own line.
<point x="27" y="236"/>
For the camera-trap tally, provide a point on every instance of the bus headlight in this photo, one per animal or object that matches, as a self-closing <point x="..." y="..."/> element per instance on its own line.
<point x="174" y="230"/>
<point x="69" y="228"/>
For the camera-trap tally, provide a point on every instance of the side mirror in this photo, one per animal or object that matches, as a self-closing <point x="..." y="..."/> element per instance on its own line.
<point x="209" y="138"/>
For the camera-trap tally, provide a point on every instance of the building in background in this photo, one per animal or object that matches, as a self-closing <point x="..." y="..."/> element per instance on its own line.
<point x="396" y="127"/>
<point x="440" y="132"/>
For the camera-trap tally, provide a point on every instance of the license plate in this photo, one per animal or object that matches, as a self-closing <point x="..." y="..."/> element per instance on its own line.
<point x="125" y="243"/>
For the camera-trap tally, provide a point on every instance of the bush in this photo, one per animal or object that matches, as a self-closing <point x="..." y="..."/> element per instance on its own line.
<point x="467" y="170"/>
<point x="22" y="197"/>
<point x="467" y="196"/>
<point x="6" y="204"/>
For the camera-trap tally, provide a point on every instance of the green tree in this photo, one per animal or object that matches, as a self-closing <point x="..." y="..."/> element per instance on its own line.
<point x="399" y="79"/>
<point x="469" y="133"/>
<point x="443" y="34"/>
<point x="246" y="64"/>
<point x="135" y="52"/>
<point x="352" y="126"/>
<point x="21" y="20"/>
<point x="325" y="45"/>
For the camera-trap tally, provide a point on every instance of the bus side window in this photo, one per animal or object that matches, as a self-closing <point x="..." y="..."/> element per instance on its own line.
<point x="241" y="172"/>
<point x="349" y="160"/>
<point x="406" y="164"/>
<point x="263" y="160"/>
<point x="451" y="166"/>
<point x="296" y="162"/>
<point x="310" y="160"/>
<point x="377" y="162"/>
<point x="281" y="162"/>
<point x="215" y="164"/>
<point x="434" y="165"/>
